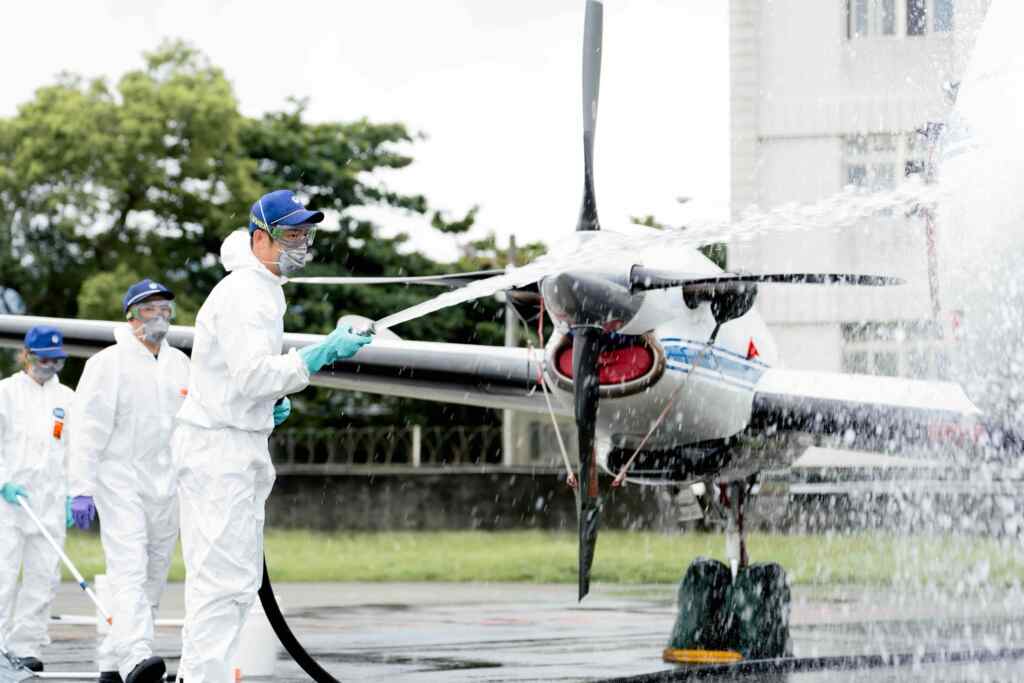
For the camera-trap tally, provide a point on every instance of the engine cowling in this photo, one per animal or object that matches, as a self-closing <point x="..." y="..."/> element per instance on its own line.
<point x="627" y="364"/>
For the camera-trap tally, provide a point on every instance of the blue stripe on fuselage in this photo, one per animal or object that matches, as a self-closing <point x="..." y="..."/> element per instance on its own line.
<point x="684" y="355"/>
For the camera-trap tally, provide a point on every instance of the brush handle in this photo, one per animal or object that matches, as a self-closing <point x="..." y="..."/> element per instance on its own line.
<point x="65" y="559"/>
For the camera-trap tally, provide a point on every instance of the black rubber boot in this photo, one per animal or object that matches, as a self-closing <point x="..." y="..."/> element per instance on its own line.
<point x="31" y="663"/>
<point x="759" y="606"/>
<point x="702" y="617"/>
<point x="150" y="670"/>
<point x="110" y="677"/>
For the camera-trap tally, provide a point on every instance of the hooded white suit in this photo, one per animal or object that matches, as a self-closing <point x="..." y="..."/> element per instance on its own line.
<point x="220" y="449"/>
<point x="121" y="455"/>
<point x="33" y="444"/>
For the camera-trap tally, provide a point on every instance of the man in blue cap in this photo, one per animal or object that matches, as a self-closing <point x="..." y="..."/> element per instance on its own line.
<point x="121" y="467"/>
<point x="220" y="444"/>
<point x="34" y="407"/>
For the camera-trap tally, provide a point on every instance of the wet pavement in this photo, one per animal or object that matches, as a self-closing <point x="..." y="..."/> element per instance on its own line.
<point x="515" y="632"/>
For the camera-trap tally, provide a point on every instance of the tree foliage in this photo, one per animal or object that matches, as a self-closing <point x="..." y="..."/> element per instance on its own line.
<point x="104" y="183"/>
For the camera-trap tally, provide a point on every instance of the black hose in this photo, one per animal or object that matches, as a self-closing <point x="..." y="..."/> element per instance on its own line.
<point x="285" y="635"/>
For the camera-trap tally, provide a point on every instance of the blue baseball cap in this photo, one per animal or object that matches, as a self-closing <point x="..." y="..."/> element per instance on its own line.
<point x="45" y="342"/>
<point x="280" y="207"/>
<point x="143" y="290"/>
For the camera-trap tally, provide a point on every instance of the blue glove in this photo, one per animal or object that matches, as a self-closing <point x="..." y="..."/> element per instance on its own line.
<point x="341" y="343"/>
<point x="282" y="410"/>
<point x="69" y="519"/>
<point x="83" y="511"/>
<point x="10" y="492"/>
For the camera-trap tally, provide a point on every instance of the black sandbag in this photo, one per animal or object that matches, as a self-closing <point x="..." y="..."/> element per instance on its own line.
<point x="702" y="618"/>
<point x="758" y="612"/>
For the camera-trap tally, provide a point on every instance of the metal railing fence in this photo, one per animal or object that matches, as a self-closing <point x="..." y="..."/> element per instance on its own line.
<point x="297" y="450"/>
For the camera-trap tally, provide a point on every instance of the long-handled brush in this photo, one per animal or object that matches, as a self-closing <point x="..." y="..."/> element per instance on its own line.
<point x="65" y="559"/>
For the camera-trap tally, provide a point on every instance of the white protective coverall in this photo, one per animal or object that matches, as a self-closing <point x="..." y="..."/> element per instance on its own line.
<point x="121" y="455"/>
<point x="220" y="447"/>
<point x="34" y="436"/>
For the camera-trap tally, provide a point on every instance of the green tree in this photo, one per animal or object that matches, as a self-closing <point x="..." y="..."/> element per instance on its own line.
<point x="101" y="293"/>
<point x="150" y="173"/>
<point x="102" y="184"/>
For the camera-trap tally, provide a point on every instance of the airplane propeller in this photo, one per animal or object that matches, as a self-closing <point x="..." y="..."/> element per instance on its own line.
<point x="586" y="350"/>
<point x="592" y="30"/>
<point x="586" y="343"/>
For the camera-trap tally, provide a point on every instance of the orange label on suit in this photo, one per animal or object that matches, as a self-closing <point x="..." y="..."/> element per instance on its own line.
<point x="58" y="428"/>
<point x="183" y="391"/>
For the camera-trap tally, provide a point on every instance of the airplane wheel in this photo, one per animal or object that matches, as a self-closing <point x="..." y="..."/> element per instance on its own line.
<point x="758" y="612"/>
<point x="703" y="593"/>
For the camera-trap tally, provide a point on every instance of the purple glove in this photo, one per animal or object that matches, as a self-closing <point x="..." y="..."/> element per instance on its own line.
<point x="83" y="511"/>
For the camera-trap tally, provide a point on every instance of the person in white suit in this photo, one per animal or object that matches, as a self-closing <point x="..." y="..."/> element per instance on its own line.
<point x="237" y="395"/>
<point x="121" y="468"/>
<point x="34" y="410"/>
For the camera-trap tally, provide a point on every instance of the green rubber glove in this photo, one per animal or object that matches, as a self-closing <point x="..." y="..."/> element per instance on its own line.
<point x="69" y="519"/>
<point x="282" y="410"/>
<point x="341" y="343"/>
<point x="10" y="492"/>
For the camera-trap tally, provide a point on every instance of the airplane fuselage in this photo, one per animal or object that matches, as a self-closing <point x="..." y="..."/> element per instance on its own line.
<point x="664" y="383"/>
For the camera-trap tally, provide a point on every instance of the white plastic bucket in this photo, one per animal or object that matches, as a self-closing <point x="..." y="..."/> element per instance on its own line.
<point x="257" y="647"/>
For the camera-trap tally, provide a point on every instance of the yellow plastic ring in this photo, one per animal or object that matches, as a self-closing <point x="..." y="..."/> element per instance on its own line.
<point x="674" y="656"/>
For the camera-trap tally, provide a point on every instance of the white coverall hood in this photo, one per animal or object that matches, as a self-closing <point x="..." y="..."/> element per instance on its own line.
<point x="238" y="371"/>
<point x="236" y="254"/>
<point x="121" y="455"/>
<point x="127" y="400"/>
<point x="34" y="435"/>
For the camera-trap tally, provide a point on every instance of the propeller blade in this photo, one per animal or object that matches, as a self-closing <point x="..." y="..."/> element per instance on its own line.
<point x="586" y="349"/>
<point x="445" y="280"/>
<point x="644" y="279"/>
<point x="593" y="27"/>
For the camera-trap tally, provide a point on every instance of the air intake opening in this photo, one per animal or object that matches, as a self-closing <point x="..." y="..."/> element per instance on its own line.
<point x="628" y="364"/>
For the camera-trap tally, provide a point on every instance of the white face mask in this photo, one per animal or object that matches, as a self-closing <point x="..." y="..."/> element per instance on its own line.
<point x="42" y="372"/>
<point x="292" y="260"/>
<point x="155" y="329"/>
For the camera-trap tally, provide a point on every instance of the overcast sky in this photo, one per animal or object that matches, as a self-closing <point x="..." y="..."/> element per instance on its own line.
<point x="494" y="85"/>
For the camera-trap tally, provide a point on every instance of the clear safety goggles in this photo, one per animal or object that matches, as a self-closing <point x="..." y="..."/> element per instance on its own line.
<point x="148" y="310"/>
<point x="55" y="363"/>
<point x="294" y="236"/>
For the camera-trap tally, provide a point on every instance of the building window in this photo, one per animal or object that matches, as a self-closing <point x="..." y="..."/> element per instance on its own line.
<point x="870" y="18"/>
<point x="917" y="17"/>
<point x="871" y="160"/>
<point x="943" y="15"/>
<point x="874" y="18"/>
<point x="894" y="349"/>
<point x="921" y="13"/>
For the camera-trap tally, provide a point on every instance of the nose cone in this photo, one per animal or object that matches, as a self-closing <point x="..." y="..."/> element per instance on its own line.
<point x="575" y="299"/>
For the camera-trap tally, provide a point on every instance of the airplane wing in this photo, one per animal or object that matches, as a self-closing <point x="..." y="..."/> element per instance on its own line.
<point x="867" y="412"/>
<point x="484" y="376"/>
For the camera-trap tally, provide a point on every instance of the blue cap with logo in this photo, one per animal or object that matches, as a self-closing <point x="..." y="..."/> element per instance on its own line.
<point x="45" y="342"/>
<point x="143" y="290"/>
<point x="280" y="207"/>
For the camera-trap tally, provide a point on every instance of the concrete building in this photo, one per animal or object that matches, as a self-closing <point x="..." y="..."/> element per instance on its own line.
<point x="830" y="93"/>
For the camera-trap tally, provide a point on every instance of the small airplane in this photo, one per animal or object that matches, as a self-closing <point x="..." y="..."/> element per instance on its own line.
<point x="660" y="356"/>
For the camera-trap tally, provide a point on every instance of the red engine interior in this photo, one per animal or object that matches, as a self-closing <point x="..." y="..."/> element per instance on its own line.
<point x="615" y="366"/>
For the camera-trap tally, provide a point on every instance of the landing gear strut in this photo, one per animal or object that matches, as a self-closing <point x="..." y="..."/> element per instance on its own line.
<point x="734" y="611"/>
<point x="733" y="497"/>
